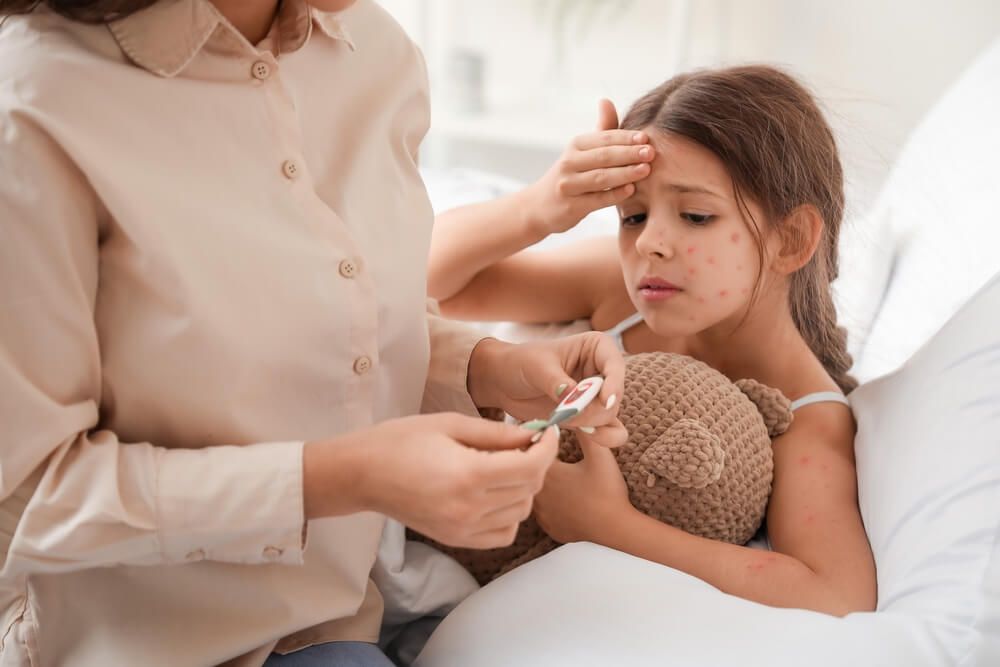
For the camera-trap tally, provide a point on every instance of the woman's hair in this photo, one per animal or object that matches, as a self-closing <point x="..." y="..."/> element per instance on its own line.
<point x="94" y="11"/>
<point x="780" y="153"/>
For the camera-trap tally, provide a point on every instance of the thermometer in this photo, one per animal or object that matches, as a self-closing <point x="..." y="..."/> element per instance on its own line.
<point x="574" y="403"/>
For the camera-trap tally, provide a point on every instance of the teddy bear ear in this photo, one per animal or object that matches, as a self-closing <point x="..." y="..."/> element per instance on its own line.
<point x="687" y="455"/>
<point x="772" y="404"/>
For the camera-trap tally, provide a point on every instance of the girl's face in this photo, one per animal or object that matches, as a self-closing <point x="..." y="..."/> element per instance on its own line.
<point x="688" y="257"/>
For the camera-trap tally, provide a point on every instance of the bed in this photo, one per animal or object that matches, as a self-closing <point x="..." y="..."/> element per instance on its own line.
<point x="920" y="294"/>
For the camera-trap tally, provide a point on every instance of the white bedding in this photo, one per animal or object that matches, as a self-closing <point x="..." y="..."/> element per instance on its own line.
<point x="928" y="451"/>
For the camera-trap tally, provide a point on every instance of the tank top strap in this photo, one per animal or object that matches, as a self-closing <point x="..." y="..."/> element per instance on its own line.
<point x="625" y="325"/>
<point x="820" y="397"/>
<point x="616" y="331"/>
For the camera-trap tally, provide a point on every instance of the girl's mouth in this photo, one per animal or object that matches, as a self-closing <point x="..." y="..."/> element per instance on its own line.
<point x="652" y="288"/>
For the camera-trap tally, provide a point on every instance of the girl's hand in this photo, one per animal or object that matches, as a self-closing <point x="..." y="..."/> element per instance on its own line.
<point x="460" y="480"/>
<point x="596" y="170"/>
<point x="580" y="501"/>
<point x="528" y="380"/>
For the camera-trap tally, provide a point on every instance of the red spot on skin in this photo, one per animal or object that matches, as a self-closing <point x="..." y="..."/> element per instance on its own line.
<point x="701" y="299"/>
<point x="810" y="518"/>
<point x="739" y="267"/>
<point x="824" y="467"/>
<point x="690" y="249"/>
<point x="711" y="260"/>
<point x="723" y="293"/>
<point x="692" y="272"/>
<point x="804" y="460"/>
<point x="735" y="237"/>
<point x="762" y="563"/>
<point x="691" y="319"/>
<point x="745" y="290"/>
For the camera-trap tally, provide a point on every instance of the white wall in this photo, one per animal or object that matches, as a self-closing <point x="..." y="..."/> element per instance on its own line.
<point x="876" y="66"/>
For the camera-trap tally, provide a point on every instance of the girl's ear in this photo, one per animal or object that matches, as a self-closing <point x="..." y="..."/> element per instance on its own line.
<point x="800" y="234"/>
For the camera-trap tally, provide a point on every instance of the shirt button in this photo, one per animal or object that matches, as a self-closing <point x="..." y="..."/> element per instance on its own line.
<point x="272" y="553"/>
<point x="348" y="269"/>
<point x="362" y="365"/>
<point x="260" y="70"/>
<point x="197" y="554"/>
<point x="290" y="169"/>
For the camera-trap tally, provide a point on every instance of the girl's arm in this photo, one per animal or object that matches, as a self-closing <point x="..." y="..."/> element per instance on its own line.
<point x="596" y="170"/>
<point x="821" y="558"/>
<point x="468" y="239"/>
<point x="556" y="285"/>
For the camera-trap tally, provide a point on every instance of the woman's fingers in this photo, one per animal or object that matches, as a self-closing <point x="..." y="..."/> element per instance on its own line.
<point x="608" y="436"/>
<point x="596" y="452"/>
<point x="519" y="467"/>
<point x="488" y="540"/>
<point x="506" y="516"/>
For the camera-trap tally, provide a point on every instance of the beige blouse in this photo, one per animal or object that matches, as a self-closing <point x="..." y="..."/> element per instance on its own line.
<point x="210" y="252"/>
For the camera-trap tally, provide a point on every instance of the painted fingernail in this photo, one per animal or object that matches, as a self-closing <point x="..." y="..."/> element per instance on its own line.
<point x="589" y="430"/>
<point x="611" y="401"/>
<point x="560" y="389"/>
<point x="538" y="436"/>
<point x="535" y="424"/>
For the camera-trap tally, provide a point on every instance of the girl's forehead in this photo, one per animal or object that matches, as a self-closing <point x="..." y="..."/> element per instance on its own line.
<point x="680" y="161"/>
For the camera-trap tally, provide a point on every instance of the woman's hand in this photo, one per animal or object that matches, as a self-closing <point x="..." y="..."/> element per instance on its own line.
<point x="596" y="170"/>
<point x="580" y="501"/>
<point x="527" y="380"/>
<point x="460" y="480"/>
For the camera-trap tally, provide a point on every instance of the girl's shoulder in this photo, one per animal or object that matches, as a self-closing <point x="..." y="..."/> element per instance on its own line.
<point x="818" y="426"/>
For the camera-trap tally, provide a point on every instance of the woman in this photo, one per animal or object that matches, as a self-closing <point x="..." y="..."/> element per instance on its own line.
<point x="214" y="339"/>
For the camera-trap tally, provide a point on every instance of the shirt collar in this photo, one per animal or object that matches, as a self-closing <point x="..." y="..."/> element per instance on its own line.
<point x="166" y="36"/>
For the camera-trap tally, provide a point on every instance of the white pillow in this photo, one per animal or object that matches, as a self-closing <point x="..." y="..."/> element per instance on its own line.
<point x="933" y="224"/>
<point x="928" y="455"/>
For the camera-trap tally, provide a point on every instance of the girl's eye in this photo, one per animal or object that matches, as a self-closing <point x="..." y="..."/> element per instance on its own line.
<point x="698" y="218"/>
<point x="636" y="219"/>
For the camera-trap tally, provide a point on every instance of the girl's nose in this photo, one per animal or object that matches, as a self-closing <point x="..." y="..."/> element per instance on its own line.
<point x="653" y="241"/>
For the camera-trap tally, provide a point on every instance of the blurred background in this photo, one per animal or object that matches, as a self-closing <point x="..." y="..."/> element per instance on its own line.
<point x="513" y="81"/>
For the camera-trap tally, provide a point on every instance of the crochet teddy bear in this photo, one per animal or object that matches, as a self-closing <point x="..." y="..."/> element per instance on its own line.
<point x="698" y="456"/>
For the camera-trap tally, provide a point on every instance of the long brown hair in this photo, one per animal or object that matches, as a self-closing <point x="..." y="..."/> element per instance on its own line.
<point x="773" y="139"/>
<point x="92" y="11"/>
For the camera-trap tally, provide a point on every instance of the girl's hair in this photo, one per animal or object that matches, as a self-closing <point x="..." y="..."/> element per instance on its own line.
<point x="92" y="11"/>
<point x="779" y="151"/>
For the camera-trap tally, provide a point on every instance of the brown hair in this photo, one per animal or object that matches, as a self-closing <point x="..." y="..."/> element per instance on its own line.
<point x="94" y="11"/>
<point x="779" y="151"/>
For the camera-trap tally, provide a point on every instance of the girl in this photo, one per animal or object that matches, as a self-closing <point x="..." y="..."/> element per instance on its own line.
<point x="214" y="340"/>
<point x="730" y="194"/>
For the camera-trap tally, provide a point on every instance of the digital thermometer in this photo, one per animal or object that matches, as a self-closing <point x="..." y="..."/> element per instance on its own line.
<point x="583" y="393"/>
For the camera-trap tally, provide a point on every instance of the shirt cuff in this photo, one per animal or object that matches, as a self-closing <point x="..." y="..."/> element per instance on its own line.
<point x="232" y="504"/>
<point x="446" y="389"/>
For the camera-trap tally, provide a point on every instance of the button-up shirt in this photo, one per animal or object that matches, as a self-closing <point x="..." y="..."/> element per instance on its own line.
<point x="210" y="253"/>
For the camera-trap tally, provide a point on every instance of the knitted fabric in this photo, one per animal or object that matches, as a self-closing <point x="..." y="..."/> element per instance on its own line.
<point x="698" y="456"/>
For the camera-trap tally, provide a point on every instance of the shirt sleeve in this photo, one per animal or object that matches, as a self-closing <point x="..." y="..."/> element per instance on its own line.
<point x="73" y="496"/>
<point x="452" y="343"/>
